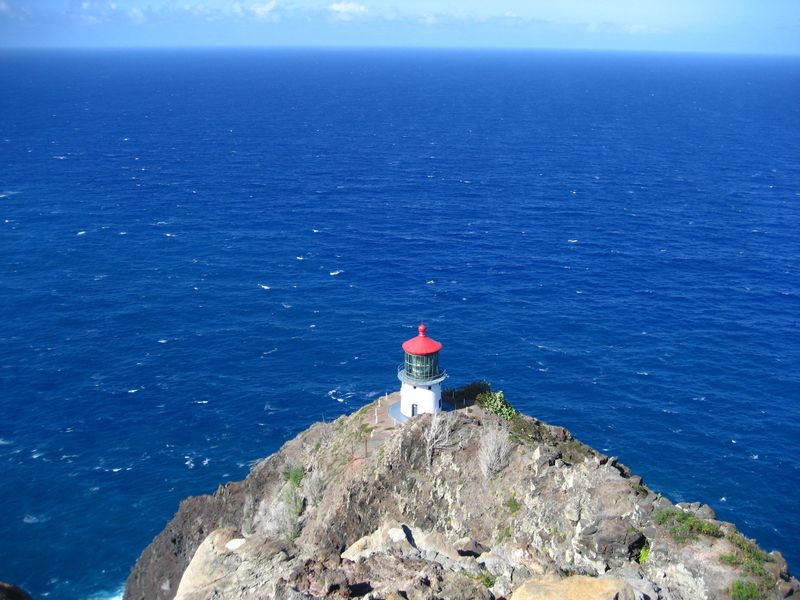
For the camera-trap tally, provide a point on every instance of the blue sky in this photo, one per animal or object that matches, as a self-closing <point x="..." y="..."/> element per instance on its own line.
<point x="742" y="26"/>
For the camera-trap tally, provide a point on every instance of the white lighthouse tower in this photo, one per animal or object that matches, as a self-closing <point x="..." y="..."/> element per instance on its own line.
<point x="421" y="377"/>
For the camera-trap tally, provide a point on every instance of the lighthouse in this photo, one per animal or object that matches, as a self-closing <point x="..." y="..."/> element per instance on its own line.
<point x="420" y="376"/>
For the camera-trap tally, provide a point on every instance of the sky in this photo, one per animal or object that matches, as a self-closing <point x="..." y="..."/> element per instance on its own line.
<point x="726" y="26"/>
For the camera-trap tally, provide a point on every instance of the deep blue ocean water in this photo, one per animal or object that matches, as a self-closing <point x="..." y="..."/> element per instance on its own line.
<point x="204" y="252"/>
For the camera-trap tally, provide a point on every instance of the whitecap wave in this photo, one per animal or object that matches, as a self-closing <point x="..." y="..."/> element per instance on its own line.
<point x="263" y="287"/>
<point x="33" y="519"/>
<point x="115" y="594"/>
<point x="340" y="395"/>
<point x="335" y="273"/>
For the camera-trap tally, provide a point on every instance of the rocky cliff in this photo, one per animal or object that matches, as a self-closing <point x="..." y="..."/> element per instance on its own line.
<point x="478" y="502"/>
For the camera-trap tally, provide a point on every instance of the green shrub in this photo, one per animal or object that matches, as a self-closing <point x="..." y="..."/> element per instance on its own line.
<point x="506" y="533"/>
<point x="748" y="548"/>
<point x="295" y="504"/>
<point x="495" y="402"/>
<point x="684" y="526"/>
<point x="730" y="559"/>
<point x="512" y="504"/>
<point x="745" y="590"/>
<point x="294" y="475"/>
<point x="487" y="579"/>
<point x="644" y="554"/>
<point x="747" y="555"/>
<point x="525" y="430"/>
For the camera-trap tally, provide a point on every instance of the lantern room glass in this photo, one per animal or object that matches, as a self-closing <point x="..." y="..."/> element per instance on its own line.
<point x="422" y="367"/>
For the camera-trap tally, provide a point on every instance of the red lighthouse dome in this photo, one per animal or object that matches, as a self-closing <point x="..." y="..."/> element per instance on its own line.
<point x="422" y="345"/>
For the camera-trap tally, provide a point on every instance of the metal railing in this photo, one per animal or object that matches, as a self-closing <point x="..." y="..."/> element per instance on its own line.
<point x="403" y="375"/>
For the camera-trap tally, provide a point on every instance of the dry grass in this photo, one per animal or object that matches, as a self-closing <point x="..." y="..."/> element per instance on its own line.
<point x="438" y="435"/>
<point x="495" y="450"/>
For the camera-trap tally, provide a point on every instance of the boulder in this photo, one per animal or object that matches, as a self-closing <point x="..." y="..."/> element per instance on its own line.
<point x="578" y="587"/>
<point x="466" y="546"/>
<point x="614" y="539"/>
<point x="12" y="592"/>
<point x="213" y="562"/>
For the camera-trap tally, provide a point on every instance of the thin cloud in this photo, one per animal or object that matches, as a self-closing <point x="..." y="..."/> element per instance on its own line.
<point x="136" y="14"/>
<point x="429" y="19"/>
<point x="347" y="10"/>
<point x="263" y="10"/>
<point x="639" y="29"/>
<point x="632" y="29"/>
<point x="94" y="12"/>
<point x="259" y="10"/>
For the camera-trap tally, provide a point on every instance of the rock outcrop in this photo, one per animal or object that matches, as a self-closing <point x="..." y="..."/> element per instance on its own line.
<point x="367" y="508"/>
<point x="578" y="587"/>
<point x="12" y="592"/>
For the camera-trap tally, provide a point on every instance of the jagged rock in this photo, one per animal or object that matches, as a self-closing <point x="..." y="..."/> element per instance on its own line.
<point x="402" y="540"/>
<point x="616" y="539"/>
<point x="461" y="587"/>
<point x="578" y="587"/>
<point x="469" y="547"/>
<point x="12" y="592"/>
<point x="213" y="562"/>
<point x="390" y="525"/>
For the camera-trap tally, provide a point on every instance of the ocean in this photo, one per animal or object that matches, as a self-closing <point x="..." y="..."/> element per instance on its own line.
<point x="203" y="252"/>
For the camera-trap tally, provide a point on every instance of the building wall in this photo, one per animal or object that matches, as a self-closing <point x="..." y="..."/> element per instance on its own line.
<point x="427" y="400"/>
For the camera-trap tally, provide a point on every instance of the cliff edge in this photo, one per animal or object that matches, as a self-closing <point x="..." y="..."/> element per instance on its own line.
<point x="479" y="502"/>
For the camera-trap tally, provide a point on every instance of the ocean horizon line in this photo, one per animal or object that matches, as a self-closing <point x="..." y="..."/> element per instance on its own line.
<point x="392" y="47"/>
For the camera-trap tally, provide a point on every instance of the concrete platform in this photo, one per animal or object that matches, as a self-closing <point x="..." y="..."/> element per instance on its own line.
<point x="394" y="411"/>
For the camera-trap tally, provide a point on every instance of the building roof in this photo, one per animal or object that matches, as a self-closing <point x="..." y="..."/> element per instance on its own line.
<point x="422" y="344"/>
